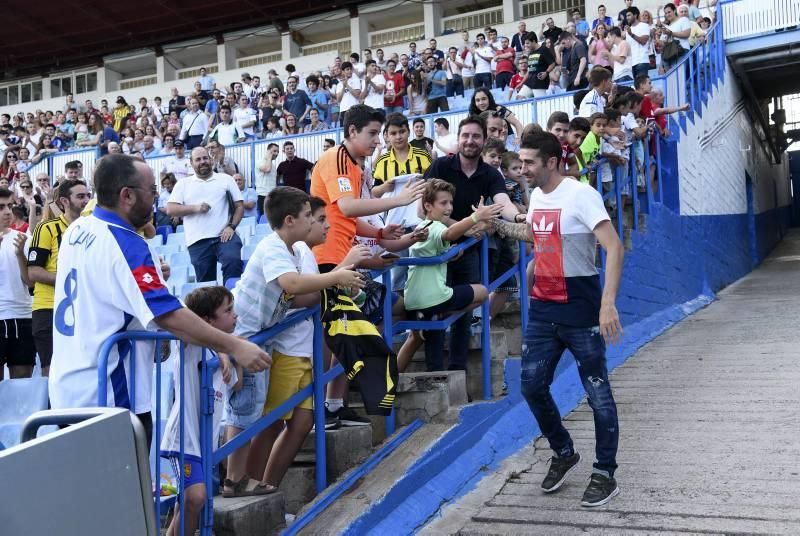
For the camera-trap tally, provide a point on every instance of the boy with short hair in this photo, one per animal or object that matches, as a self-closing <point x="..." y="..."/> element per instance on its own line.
<point x="215" y="306"/>
<point x="268" y="287"/>
<point x="595" y="101"/>
<point x="511" y="168"/>
<point x="613" y="149"/>
<point x="591" y="144"/>
<point x="427" y="293"/>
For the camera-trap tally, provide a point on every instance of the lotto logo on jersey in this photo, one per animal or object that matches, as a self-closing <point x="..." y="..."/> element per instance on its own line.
<point x="147" y="278"/>
<point x="344" y="185"/>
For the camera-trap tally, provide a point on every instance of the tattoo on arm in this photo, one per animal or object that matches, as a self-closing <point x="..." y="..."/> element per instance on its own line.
<point x="515" y="231"/>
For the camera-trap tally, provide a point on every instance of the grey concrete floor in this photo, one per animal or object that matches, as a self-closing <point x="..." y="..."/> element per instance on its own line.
<point x="709" y="423"/>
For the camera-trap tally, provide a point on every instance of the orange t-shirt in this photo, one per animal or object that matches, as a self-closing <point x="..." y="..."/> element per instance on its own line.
<point x="336" y="175"/>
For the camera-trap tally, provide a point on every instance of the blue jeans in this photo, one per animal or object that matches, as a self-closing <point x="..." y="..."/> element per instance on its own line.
<point x="207" y="252"/>
<point x="393" y="109"/>
<point x="466" y="270"/>
<point x="545" y="343"/>
<point x="455" y="86"/>
<point x="640" y="68"/>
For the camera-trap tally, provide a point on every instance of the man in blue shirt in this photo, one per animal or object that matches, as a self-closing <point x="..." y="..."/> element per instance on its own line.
<point x="319" y="100"/>
<point x="207" y="83"/>
<point x="437" y="92"/>
<point x="296" y="101"/>
<point x="109" y="135"/>
<point x="581" y="26"/>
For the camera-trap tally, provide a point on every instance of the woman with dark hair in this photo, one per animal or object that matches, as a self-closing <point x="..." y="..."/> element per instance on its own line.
<point x="417" y="97"/>
<point x="8" y="166"/>
<point x="291" y="127"/>
<point x="483" y="100"/>
<point x="95" y="128"/>
<point x="45" y="147"/>
<point x="599" y="45"/>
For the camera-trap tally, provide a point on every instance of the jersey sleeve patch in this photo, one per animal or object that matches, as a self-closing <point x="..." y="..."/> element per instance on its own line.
<point x="344" y="185"/>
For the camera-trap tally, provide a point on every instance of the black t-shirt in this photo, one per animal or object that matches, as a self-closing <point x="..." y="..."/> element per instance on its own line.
<point x="426" y="144"/>
<point x="538" y="62"/>
<point x="552" y="33"/>
<point x="573" y="59"/>
<point x="175" y="102"/>
<point x="486" y="182"/>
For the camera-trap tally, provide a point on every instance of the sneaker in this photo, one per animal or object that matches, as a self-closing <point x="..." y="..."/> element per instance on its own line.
<point x="348" y="417"/>
<point x="475" y="321"/>
<point x="332" y="421"/>
<point x="600" y="490"/>
<point x="560" y="468"/>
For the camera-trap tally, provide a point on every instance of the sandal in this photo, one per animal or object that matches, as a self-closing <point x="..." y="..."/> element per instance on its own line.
<point x="239" y="489"/>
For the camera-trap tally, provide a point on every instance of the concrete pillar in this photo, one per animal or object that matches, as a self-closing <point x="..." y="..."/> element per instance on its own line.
<point x="107" y="80"/>
<point x="432" y="19"/>
<point x="359" y="33"/>
<point x="226" y="57"/>
<point x="165" y="71"/>
<point x="46" y="93"/>
<point x="289" y="47"/>
<point x="511" y="11"/>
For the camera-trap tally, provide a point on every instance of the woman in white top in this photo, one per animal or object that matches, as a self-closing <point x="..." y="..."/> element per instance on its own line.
<point x="452" y="68"/>
<point x="417" y="98"/>
<point x="620" y="56"/>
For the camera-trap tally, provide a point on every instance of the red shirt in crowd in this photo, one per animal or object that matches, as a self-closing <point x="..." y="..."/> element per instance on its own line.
<point x="517" y="79"/>
<point x="506" y="65"/>
<point x="394" y="84"/>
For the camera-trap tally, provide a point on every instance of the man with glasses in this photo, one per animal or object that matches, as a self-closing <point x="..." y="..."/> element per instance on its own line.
<point x="71" y="198"/>
<point x="204" y="201"/>
<point x="550" y="31"/>
<point x="194" y="125"/>
<point x="107" y="283"/>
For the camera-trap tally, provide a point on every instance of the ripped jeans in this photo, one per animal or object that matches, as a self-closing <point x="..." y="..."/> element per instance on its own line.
<point x="545" y="344"/>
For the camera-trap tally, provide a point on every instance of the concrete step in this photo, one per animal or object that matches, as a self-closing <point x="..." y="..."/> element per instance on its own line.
<point x="345" y="448"/>
<point x="430" y="396"/>
<point x="246" y="516"/>
<point x="298" y="486"/>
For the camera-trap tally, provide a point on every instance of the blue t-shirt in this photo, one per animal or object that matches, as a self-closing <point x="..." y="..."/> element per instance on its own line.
<point x="317" y="98"/>
<point x="212" y="106"/>
<point x="436" y="90"/>
<point x="296" y="103"/>
<point x="109" y="135"/>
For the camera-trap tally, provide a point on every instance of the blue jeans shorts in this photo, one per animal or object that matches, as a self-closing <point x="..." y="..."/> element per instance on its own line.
<point x="245" y="406"/>
<point x="192" y="470"/>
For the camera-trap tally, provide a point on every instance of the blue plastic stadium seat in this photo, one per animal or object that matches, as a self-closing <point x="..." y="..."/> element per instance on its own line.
<point x="164" y="230"/>
<point x="156" y="241"/>
<point x="231" y="282"/>
<point x="167" y="249"/>
<point x="19" y="398"/>
<point x="179" y="228"/>
<point x="263" y="229"/>
<point x="247" y="251"/>
<point x="188" y="287"/>
<point x="177" y="239"/>
<point x="262" y="218"/>
<point x="180" y="258"/>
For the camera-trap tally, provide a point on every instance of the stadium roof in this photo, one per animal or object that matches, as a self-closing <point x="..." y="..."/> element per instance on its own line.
<point x="40" y="38"/>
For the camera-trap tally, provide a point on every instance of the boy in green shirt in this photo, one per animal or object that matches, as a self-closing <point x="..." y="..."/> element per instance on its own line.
<point x="590" y="147"/>
<point x="426" y="292"/>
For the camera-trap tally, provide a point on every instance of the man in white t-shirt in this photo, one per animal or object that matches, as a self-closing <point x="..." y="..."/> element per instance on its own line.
<point x="106" y="284"/>
<point x="266" y="175"/>
<point x="349" y="90"/>
<point x="245" y="118"/>
<point x="619" y="56"/>
<point x="204" y="200"/>
<point x="178" y="164"/>
<point x="227" y="131"/>
<point x="483" y="54"/>
<point x="679" y="28"/>
<point x="17" y="348"/>
<point x="374" y="83"/>
<point x="638" y="37"/>
<point x="569" y="309"/>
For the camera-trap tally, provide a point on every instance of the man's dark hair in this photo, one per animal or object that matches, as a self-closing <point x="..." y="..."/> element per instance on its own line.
<point x="564" y="36"/>
<point x="355" y="56"/>
<point x="113" y="172"/>
<point x="544" y="142"/>
<point x="612" y="114"/>
<point x="226" y="107"/>
<point x="368" y="50"/>
<point x="205" y="301"/>
<point x="396" y="119"/>
<point x="634" y="98"/>
<point x="640" y="80"/>
<point x="360" y="116"/>
<point x="598" y="75"/>
<point x="270" y="145"/>
<point x="557" y="117"/>
<point x="615" y="31"/>
<point x="580" y="124"/>
<point x="65" y="187"/>
<point x="370" y="62"/>
<point x="312" y="79"/>
<point x="670" y="6"/>
<point x="601" y="5"/>
<point x="287" y="143"/>
<point x="480" y="35"/>
<point x="346" y="65"/>
<point x="442" y="121"/>
<point x="329" y="140"/>
<point x="418" y="120"/>
<point x="472" y="120"/>
<point x="531" y="37"/>
<point x="633" y="10"/>
<point x="290" y="68"/>
<point x="284" y="201"/>
<point x="73" y="164"/>
<point x="316" y="203"/>
<point x="5" y="193"/>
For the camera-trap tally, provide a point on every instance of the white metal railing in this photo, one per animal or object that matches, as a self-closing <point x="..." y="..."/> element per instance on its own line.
<point x="340" y="46"/>
<point x="141" y="81"/>
<point x="259" y="60"/>
<point x="747" y="18"/>
<point x="536" y="8"/>
<point x="473" y="19"/>
<point x="401" y="34"/>
<point x="194" y="72"/>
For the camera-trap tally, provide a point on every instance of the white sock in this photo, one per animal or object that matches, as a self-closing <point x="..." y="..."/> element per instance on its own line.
<point x="334" y="404"/>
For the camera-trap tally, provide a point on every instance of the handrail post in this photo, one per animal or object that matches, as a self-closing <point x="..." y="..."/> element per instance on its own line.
<point x="319" y="408"/>
<point x="388" y="336"/>
<point x="252" y="178"/>
<point x="486" y="351"/>
<point x="620" y="202"/>
<point x="207" y="396"/>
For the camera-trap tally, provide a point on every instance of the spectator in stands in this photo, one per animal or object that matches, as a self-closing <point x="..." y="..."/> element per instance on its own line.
<point x="483" y="54"/>
<point x="266" y="176"/>
<point x="590" y="148"/>
<point x="693" y="12"/>
<point x="414" y="59"/>
<point x="453" y="67"/>
<point x="221" y="162"/>
<point x="349" y="90"/>
<point x="550" y="31"/>
<point x="421" y="141"/>
<point x="149" y="150"/>
<point x="436" y="83"/>
<point x="638" y="37"/>
<point x="121" y="114"/>
<point x="504" y="61"/>
<point x="427" y="295"/>
<point x="204" y="202"/>
<point x="599" y="46"/>
<point x="446" y="144"/>
<point x="581" y="26"/>
<point x="573" y="60"/>
<point x="179" y="164"/>
<point x="215" y="306"/>
<point x="473" y="180"/>
<point x="168" y="183"/>
<point x="177" y="102"/>
<point x="602" y="17"/>
<point x="17" y="348"/>
<point x="228" y="132"/>
<point x="245" y="117"/>
<point x="417" y="96"/>
<point x="678" y="29"/>
<point x="207" y="82"/>
<point x="395" y="89"/>
<point x="108" y="136"/>
<point x="620" y="56"/>
<point x="328" y="143"/>
<point x="70" y="199"/>
<point x="194" y="125"/>
<point x="595" y="100"/>
<point x="291" y="126"/>
<point x="622" y="18"/>
<point x="114" y="148"/>
<point x="374" y="87"/>
<point x="318" y="97"/>
<point x="274" y="81"/>
<point x="540" y="63"/>
<point x="315" y="125"/>
<point x="273" y="128"/>
<point x="296" y="101"/>
<point x="293" y="170"/>
<point x="518" y="41"/>
<point x="249" y="196"/>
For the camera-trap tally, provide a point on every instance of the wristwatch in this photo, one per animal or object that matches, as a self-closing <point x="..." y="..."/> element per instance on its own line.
<point x="232" y="226"/>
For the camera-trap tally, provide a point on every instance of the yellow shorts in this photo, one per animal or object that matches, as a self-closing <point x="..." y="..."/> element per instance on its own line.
<point x="287" y="376"/>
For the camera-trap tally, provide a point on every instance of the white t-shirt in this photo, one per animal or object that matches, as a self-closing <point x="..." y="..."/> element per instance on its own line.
<point x="375" y="98"/>
<point x="194" y="191"/>
<point x="180" y="167"/>
<point x="298" y="340"/>
<point x="405" y="216"/>
<point x="468" y="69"/>
<point x="228" y="134"/>
<point x="626" y="67"/>
<point x="259" y="300"/>
<point x="346" y="99"/>
<point x="171" y="442"/>
<point x="592" y="102"/>
<point x="15" y="300"/>
<point x="266" y="182"/>
<point x="106" y="283"/>
<point x="681" y="25"/>
<point x="481" y="65"/>
<point x="244" y="116"/>
<point x="639" y="53"/>
<point x="446" y="145"/>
